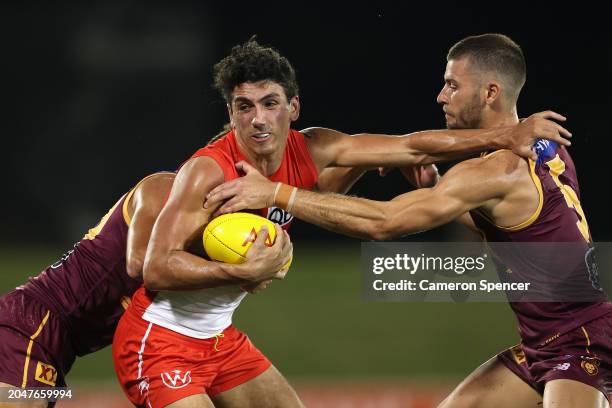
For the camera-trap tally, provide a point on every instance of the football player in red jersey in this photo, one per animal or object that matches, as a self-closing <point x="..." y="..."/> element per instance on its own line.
<point x="565" y="357"/>
<point x="72" y="308"/>
<point x="261" y="93"/>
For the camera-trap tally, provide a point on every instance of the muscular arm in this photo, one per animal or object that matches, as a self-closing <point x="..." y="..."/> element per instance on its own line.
<point x="332" y="148"/>
<point x="168" y="264"/>
<point x="468" y="185"/>
<point x="417" y="175"/>
<point x="144" y="207"/>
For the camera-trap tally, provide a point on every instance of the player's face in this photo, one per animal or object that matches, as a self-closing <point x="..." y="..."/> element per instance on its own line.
<point x="261" y="115"/>
<point x="461" y="97"/>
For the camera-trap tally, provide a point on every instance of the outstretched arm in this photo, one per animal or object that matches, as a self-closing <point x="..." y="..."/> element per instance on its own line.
<point x="466" y="186"/>
<point x="332" y="148"/>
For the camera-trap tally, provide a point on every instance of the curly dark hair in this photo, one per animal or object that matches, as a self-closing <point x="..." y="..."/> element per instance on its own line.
<point x="252" y="62"/>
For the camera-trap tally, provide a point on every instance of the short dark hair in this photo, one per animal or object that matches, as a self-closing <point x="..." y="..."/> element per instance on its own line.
<point x="495" y="53"/>
<point x="251" y="62"/>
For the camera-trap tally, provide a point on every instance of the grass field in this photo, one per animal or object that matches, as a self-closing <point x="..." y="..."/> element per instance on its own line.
<point x="319" y="332"/>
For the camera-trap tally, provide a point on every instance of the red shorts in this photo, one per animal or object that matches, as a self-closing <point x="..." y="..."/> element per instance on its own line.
<point x="156" y="366"/>
<point x="583" y="354"/>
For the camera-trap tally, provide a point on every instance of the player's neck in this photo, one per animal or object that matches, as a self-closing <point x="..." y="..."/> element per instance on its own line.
<point x="499" y="119"/>
<point x="266" y="164"/>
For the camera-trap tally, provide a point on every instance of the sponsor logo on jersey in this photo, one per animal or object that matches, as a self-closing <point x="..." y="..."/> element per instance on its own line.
<point x="175" y="380"/>
<point x="548" y="340"/>
<point x="589" y="365"/>
<point x="562" y="367"/>
<point x="279" y="216"/>
<point x="545" y="149"/>
<point x="64" y="257"/>
<point x="46" y="373"/>
<point x="519" y="354"/>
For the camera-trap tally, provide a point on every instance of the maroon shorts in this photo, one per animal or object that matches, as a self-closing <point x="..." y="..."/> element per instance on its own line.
<point x="583" y="354"/>
<point x="35" y="349"/>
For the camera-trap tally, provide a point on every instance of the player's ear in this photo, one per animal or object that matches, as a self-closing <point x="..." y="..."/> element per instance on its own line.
<point x="494" y="89"/>
<point x="294" y="108"/>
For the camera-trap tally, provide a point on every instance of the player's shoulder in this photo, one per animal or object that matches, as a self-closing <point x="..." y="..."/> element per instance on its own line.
<point x="202" y="169"/>
<point x="312" y="133"/>
<point x="504" y="155"/>
<point x="499" y="163"/>
<point x="505" y="160"/>
<point x="156" y="181"/>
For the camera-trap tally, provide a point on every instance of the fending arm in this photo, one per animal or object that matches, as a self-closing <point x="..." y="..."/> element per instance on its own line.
<point x="332" y="148"/>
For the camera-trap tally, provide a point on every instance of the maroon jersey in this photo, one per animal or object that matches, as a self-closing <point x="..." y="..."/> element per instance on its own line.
<point x="568" y="265"/>
<point x="89" y="288"/>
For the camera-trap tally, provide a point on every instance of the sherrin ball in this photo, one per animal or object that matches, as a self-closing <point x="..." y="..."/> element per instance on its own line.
<point x="227" y="238"/>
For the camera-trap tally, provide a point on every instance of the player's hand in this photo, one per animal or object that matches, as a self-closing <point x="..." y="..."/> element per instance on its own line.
<point x="263" y="262"/>
<point x="418" y="176"/>
<point x="252" y="191"/>
<point x="537" y="126"/>
<point x="256" y="287"/>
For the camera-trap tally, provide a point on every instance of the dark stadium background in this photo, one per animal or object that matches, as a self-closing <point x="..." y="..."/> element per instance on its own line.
<point x="96" y="96"/>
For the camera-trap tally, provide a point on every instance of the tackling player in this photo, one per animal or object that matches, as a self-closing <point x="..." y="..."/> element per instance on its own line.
<point x="72" y="308"/>
<point x="565" y="357"/>
<point x="179" y="349"/>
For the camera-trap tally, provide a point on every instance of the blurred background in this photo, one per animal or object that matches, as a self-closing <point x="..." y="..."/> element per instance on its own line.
<point x="98" y="95"/>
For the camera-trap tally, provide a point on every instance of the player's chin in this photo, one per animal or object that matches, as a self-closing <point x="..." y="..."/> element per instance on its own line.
<point x="451" y="123"/>
<point x="267" y="147"/>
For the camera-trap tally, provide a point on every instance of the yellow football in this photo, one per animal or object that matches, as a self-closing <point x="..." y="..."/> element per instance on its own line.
<point x="228" y="237"/>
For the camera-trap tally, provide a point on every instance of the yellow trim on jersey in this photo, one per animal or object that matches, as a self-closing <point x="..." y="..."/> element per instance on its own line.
<point x="587" y="339"/>
<point x="93" y="232"/>
<point x="556" y="168"/>
<point x="126" y="203"/>
<point x="29" y="350"/>
<point x="538" y="184"/>
<point x="536" y="214"/>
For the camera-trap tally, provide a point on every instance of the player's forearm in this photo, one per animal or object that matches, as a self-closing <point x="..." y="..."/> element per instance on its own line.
<point x="362" y="218"/>
<point x="440" y="145"/>
<point x="184" y="271"/>
<point x="419" y="148"/>
<point x="339" y="213"/>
